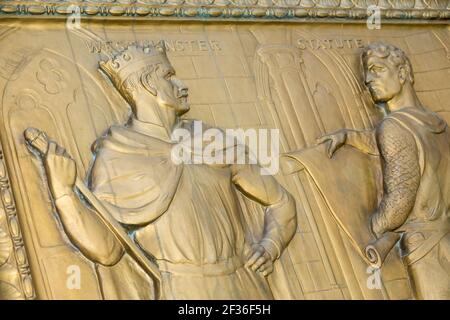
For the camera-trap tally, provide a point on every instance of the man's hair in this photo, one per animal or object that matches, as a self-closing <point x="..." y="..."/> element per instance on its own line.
<point x="394" y="55"/>
<point x="133" y="81"/>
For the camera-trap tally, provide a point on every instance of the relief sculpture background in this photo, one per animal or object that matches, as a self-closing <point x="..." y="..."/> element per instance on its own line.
<point x="304" y="79"/>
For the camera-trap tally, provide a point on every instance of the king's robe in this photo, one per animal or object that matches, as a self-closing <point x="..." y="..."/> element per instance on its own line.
<point x="187" y="216"/>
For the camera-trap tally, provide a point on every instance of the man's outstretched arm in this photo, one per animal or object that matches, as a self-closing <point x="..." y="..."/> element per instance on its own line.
<point x="401" y="177"/>
<point x="363" y="140"/>
<point x="82" y="226"/>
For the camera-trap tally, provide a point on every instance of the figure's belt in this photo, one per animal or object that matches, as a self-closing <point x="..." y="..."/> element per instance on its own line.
<point x="435" y="225"/>
<point x="425" y="247"/>
<point x="224" y="267"/>
<point x="438" y="228"/>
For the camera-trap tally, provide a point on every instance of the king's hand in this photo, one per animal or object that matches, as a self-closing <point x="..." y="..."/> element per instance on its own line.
<point x="60" y="168"/>
<point x="61" y="171"/>
<point x="259" y="260"/>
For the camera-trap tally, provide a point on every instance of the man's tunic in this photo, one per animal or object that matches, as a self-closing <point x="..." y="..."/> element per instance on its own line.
<point x="415" y="148"/>
<point x="185" y="216"/>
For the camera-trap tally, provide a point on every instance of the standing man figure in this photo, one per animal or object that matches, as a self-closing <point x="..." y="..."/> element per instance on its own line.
<point x="414" y="146"/>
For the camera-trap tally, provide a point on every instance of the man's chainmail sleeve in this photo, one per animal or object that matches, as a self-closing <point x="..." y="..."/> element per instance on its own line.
<point x="401" y="176"/>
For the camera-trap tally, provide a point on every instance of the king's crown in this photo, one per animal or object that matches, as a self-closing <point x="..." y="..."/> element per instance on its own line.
<point x="132" y="59"/>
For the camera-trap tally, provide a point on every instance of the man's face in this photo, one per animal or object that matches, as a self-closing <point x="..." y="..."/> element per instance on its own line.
<point x="170" y="91"/>
<point x="382" y="79"/>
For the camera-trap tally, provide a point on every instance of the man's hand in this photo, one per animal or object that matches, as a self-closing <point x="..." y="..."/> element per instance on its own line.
<point x="260" y="260"/>
<point x="336" y="140"/>
<point x="61" y="171"/>
<point x="376" y="227"/>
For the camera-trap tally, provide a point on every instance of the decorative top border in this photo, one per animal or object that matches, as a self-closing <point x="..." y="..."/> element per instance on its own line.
<point x="395" y="11"/>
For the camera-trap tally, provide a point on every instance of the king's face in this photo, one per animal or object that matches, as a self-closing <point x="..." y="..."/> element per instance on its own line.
<point x="171" y="91"/>
<point x="382" y="79"/>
